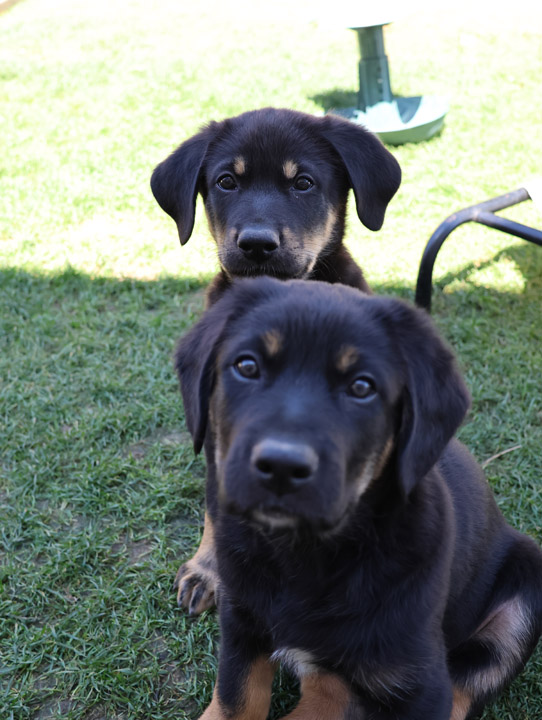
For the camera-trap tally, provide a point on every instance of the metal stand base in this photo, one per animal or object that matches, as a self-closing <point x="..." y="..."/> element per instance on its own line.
<point x="396" y="120"/>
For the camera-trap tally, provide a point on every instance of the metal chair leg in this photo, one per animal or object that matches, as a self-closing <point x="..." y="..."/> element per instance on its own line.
<point x="482" y="213"/>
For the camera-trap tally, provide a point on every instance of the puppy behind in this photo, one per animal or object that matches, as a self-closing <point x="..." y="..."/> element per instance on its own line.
<point x="275" y="184"/>
<point x="357" y="541"/>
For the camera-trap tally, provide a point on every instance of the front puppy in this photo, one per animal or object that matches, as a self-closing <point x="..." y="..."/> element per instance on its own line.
<point x="357" y="542"/>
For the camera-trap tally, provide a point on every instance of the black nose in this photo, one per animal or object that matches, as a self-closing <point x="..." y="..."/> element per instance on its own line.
<point x="282" y="466"/>
<point x="258" y="243"/>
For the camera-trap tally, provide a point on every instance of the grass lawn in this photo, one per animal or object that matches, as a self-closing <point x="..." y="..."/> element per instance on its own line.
<point x="100" y="494"/>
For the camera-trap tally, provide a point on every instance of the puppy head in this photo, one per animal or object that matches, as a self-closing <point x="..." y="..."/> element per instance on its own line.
<point x="313" y="393"/>
<point x="275" y="185"/>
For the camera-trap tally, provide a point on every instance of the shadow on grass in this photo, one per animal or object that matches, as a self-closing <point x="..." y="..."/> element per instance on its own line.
<point x="526" y="257"/>
<point x="72" y="280"/>
<point x="99" y="506"/>
<point x="335" y="98"/>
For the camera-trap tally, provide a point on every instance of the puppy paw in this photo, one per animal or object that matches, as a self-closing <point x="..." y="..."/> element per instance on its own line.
<point x="196" y="584"/>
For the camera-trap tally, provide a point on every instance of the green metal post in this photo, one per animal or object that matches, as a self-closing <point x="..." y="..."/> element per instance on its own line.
<point x="374" y="75"/>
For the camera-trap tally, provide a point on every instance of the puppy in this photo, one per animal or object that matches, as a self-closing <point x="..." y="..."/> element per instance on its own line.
<point x="357" y="541"/>
<point x="275" y="185"/>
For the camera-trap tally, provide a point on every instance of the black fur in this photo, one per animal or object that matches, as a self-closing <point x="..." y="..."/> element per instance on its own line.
<point x="302" y="229"/>
<point x="354" y="529"/>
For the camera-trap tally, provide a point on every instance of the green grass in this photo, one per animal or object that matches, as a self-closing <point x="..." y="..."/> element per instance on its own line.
<point x="100" y="495"/>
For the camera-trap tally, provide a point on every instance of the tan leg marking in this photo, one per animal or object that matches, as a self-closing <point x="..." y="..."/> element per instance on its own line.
<point x="256" y="699"/>
<point x="324" y="696"/>
<point x="214" y="711"/>
<point x="197" y="579"/>
<point x="258" y="691"/>
<point x="507" y="629"/>
<point x="461" y="706"/>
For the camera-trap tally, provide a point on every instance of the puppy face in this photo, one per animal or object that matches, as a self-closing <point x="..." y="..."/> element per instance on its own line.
<point x="305" y="418"/>
<point x="275" y="198"/>
<point x="311" y="392"/>
<point x="275" y="185"/>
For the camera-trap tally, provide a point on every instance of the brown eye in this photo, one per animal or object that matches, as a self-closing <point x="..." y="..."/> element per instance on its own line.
<point x="226" y="182"/>
<point x="303" y="183"/>
<point x="247" y="368"/>
<point x="362" y="388"/>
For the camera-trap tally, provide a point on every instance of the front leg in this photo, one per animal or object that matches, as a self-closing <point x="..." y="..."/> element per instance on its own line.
<point x="325" y="696"/>
<point x="197" y="580"/>
<point x="245" y="696"/>
<point x="245" y="672"/>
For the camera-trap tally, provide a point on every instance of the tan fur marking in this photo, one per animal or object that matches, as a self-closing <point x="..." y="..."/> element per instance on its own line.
<point x="365" y="478"/>
<point x="384" y="457"/>
<point x="311" y="245"/>
<point x="258" y="691"/>
<point x="290" y="169"/>
<point x="273" y="341"/>
<point x="202" y="565"/>
<point x="324" y="696"/>
<point x="207" y="543"/>
<point x="461" y="705"/>
<point x="507" y="626"/>
<point x="214" y="711"/>
<point x="346" y="357"/>
<point x="256" y="699"/>
<point x="239" y="165"/>
<point x="372" y="469"/>
<point x="508" y="629"/>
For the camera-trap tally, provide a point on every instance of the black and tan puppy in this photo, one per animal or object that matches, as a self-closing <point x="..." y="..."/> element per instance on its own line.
<point x="275" y="185"/>
<point x="357" y="541"/>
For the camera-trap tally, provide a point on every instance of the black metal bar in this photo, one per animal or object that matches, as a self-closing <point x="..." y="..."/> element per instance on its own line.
<point x="482" y="213"/>
<point x="509" y="226"/>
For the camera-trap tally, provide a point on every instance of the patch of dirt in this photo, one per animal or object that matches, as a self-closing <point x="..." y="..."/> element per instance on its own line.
<point x="54" y="706"/>
<point x="99" y="713"/>
<point x="136" y="551"/>
<point x="163" y="436"/>
<point x="158" y="647"/>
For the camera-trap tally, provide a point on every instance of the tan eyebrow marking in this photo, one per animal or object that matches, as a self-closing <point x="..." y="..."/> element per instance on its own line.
<point x="239" y="165"/>
<point x="346" y="357"/>
<point x="273" y="341"/>
<point x="290" y="169"/>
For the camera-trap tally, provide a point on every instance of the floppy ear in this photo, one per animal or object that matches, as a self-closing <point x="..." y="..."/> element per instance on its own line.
<point x="435" y="398"/>
<point x="174" y="182"/>
<point x="197" y="352"/>
<point x="374" y="173"/>
<point x="195" y="359"/>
